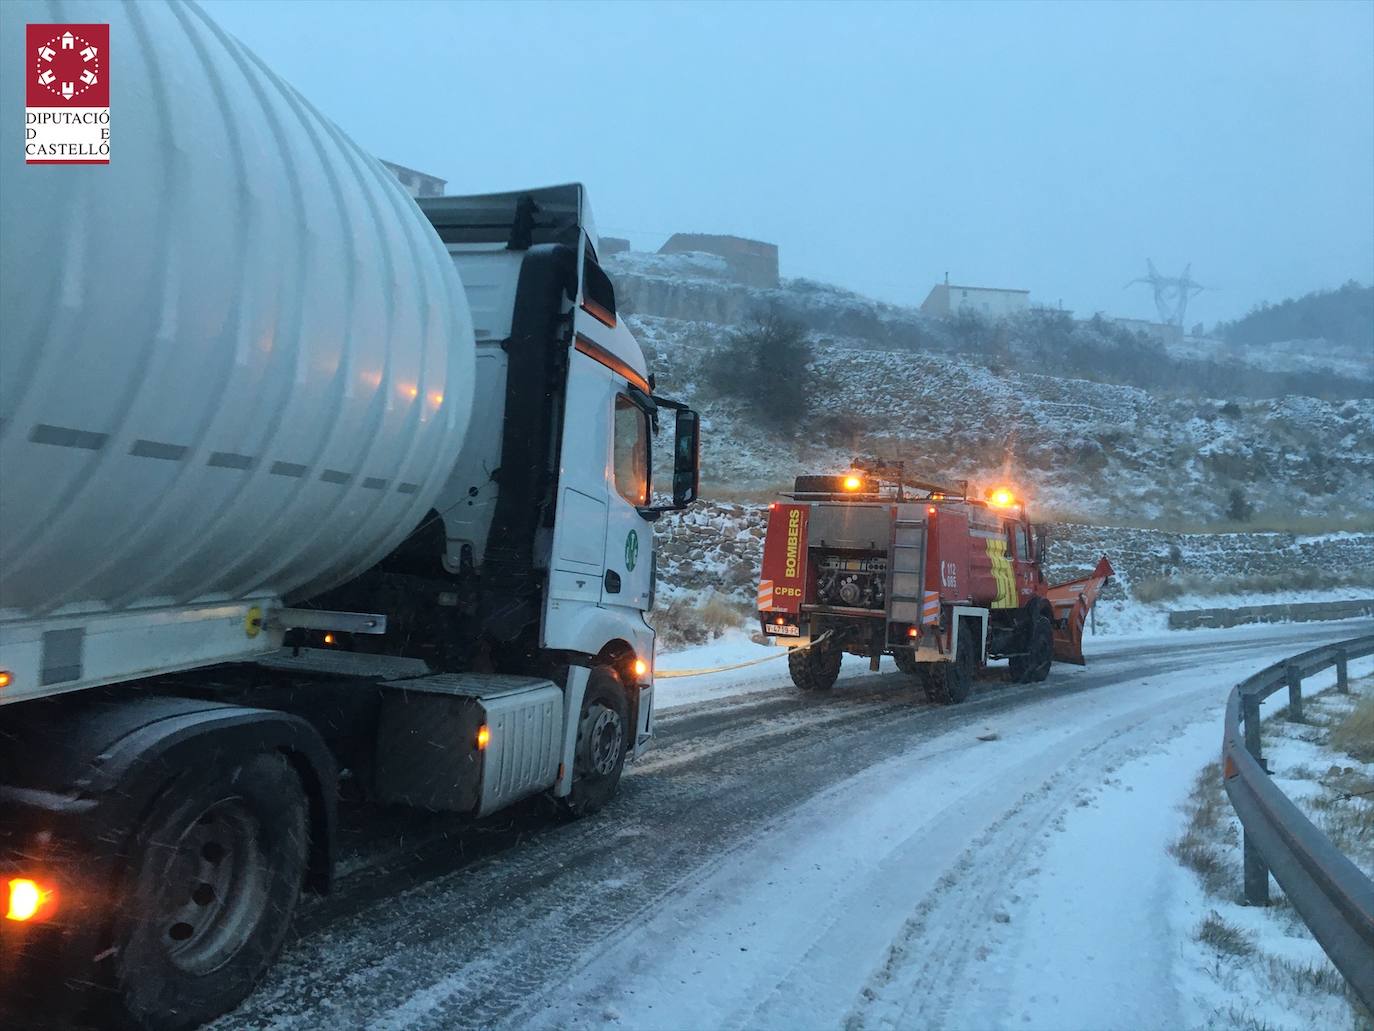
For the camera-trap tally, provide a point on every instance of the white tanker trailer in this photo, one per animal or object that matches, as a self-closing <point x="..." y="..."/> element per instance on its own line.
<point x="295" y="476"/>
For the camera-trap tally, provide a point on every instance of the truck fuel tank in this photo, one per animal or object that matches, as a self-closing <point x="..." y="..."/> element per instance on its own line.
<point x="468" y="742"/>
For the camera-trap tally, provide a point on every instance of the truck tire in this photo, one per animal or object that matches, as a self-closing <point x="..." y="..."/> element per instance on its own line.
<point x="949" y="683"/>
<point x="814" y="669"/>
<point x="213" y="878"/>
<point x="906" y="662"/>
<point x="1034" y="666"/>
<point x="602" y="741"/>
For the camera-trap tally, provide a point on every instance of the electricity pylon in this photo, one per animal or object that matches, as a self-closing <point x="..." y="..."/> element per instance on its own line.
<point x="1171" y="292"/>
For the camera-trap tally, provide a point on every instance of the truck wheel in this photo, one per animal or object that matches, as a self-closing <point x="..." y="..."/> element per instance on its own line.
<point x="1034" y="666"/>
<point x="814" y="669"/>
<point x="906" y="662"/>
<point x="602" y="740"/>
<point x="213" y="879"/>
<point x="949" y="683"/>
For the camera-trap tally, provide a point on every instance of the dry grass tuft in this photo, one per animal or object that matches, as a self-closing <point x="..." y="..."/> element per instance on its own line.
<point x="1225" y="938"/>
<point x="683" y="621"/>
<point x="1200" y="848"/>
<point x="1354" y="735"/>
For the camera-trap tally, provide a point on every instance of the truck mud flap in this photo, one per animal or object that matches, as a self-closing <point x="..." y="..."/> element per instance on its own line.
<point x="1072" y="601"/>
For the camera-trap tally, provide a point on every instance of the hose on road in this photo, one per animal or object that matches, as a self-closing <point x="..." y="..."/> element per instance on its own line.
<point x="669" y="674"/>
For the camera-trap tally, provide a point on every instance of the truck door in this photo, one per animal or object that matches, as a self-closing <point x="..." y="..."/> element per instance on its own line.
<point x="577" y="561"/>
<point x="1025" y="566"/>
<point x="629" y="547"/>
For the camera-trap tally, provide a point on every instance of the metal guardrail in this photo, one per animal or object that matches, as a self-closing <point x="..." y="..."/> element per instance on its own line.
<point x="1330" y="893"/>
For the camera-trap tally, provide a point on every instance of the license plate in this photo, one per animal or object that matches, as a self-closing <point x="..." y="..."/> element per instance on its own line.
<point x="782" y="630"/>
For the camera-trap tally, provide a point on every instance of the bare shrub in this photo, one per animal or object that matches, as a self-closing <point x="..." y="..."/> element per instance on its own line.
<point x="684" y="621"/>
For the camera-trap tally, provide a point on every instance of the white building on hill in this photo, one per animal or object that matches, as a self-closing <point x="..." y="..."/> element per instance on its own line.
<point x="992" y="302"/>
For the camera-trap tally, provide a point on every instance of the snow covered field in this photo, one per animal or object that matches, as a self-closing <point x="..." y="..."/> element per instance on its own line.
<point x="861" y="860"/>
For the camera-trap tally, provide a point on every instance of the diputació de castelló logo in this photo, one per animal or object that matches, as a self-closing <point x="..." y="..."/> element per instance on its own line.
<point x="67" y="95"/>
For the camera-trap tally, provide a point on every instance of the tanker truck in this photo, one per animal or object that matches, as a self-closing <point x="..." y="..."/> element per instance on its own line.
<point x="300" y="483"/>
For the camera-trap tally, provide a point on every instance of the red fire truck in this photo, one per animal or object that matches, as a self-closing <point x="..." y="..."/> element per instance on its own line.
<point x="874" y="563"/>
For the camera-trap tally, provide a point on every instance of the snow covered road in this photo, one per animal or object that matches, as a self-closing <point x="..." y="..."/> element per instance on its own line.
<point x="857" y="860"/>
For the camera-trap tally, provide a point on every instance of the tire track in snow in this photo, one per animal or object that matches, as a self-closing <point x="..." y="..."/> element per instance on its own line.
<point x="924" y="972"/>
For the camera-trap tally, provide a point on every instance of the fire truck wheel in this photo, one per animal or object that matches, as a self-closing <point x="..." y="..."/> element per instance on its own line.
<point x="949" y="683"/>
<point x="1034" y="666"/>
<point x="1042" y="650"/>
<point x="814" y="669"/>
<point x="906" y="662"/>
<point x="602" y="740"/>
<point x="213" y="881"/>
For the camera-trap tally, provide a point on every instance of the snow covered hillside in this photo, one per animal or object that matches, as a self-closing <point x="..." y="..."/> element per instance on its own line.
<point x="1068" y="410"/>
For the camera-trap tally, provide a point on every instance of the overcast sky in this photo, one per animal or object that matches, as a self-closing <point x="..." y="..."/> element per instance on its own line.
<point x="1047" y="147"/>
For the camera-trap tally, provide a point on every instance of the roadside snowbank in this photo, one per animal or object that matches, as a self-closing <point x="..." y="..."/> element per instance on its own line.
<point x="1129" y="618"/>
<point x="1260" y="967"/>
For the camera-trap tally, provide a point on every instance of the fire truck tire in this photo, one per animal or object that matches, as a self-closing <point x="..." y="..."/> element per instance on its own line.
<point x="906" y="662"/>
<point x="602" y="741"/>
<point x="213" y="879"/>
<point x="1034" y="666"/>
<point x="814" y="669"/>
<point x="949" y="683"/>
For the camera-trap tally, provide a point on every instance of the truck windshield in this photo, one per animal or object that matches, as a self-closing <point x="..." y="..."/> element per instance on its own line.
<point x="631" y="451"/>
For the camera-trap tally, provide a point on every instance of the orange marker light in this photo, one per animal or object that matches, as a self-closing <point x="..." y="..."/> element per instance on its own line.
<point x="6" y="678"/>
<point x="641" y="667"/>
<point x="852" y="483"/>
<point x="483" y="736"/>
<point x="328" y="638"/>
<point x="911" y="631"/>
<point x="26" y="898"/>
<point x="930" y="509"/>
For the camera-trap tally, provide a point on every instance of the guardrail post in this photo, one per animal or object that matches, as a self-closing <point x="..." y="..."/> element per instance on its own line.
<point x="1250" y="715"/>
<point x="1342" y="673"/>
<point x="1294" y="695"/>
<point x="1256" y="874"/>
<point x="1256" y="870"/>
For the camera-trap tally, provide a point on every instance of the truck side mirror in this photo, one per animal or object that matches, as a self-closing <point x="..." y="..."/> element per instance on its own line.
<point x="686" y="458"/>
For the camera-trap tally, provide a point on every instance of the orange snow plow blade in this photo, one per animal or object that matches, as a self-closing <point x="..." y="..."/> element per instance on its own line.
<point x="1072" y="601"/>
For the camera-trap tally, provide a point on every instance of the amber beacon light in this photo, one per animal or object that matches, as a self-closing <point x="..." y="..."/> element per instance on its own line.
<point x="26" y="899"/>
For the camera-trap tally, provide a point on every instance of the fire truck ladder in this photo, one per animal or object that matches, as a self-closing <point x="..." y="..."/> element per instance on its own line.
<point x="904" y="581"/>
